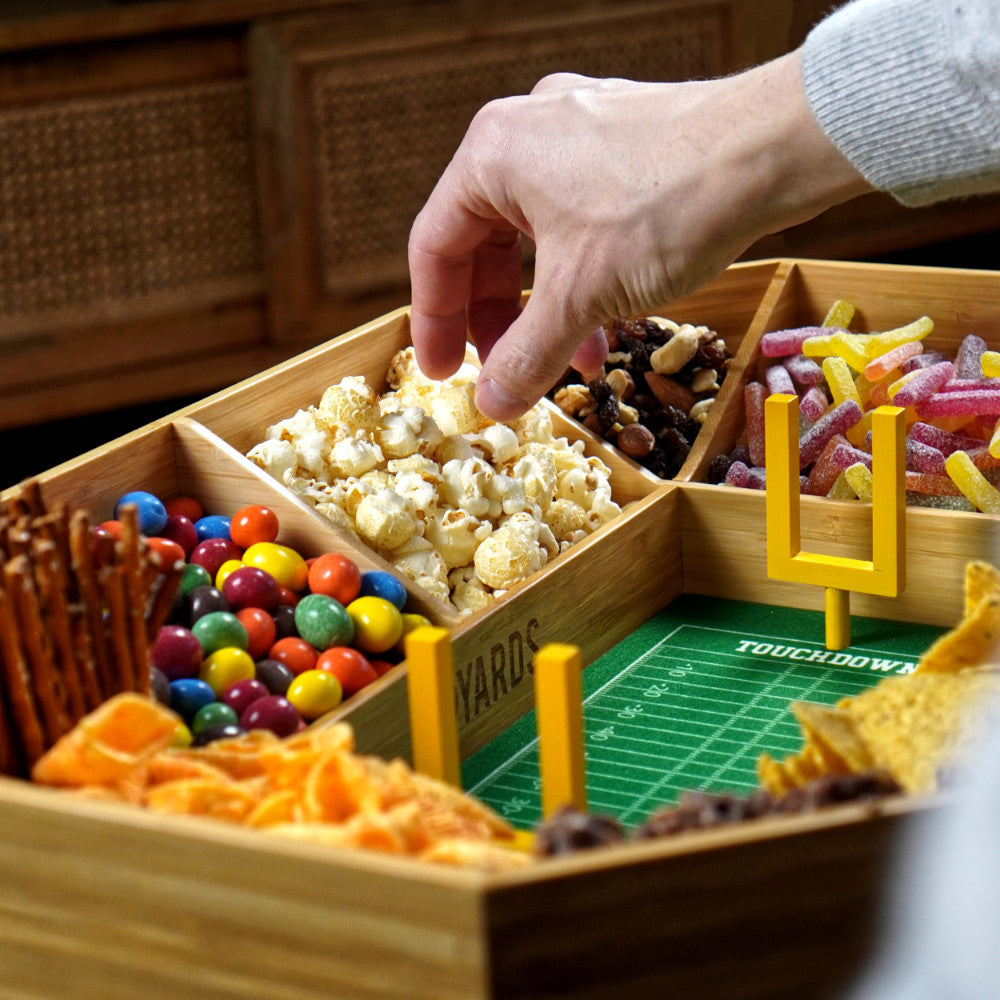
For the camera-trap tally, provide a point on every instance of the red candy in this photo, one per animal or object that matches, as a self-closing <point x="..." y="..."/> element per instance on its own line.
<point x="335" y="576"/>
<point x="252" y="524"/>
<point x="294" y="653"/>
<point x="350" y="666"/>
<point x="186" y="507"/>
<point x="261" y="630"/>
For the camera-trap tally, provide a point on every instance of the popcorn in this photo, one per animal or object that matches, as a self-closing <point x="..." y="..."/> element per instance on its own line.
<point x="386" y="520"/>
<point x="352" y="403"/>
<point x="463" y="506"/>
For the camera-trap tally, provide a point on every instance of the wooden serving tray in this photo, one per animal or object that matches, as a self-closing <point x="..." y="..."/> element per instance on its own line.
<point x="103" y="901"/>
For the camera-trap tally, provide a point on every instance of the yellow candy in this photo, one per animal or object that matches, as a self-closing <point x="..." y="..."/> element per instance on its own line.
<point x="283" y="563"/>
<point x="378" y="623"/>
<point x="314" y="693"/>
<point x="853" y="348"/>
<point x="991" y="364"/>
<point x="860" y="478"/>
<point x="841" y="489"/>
<point x="839" y="379"/>
<point x="995" y="441"/>
<point x="226" y="666"/>
<point x="973" y="484"/>
<point x="917" y="330"/>
<point x="901" y="381"/>
<point x="840" y="314"/>
<point x="225" y="569"/>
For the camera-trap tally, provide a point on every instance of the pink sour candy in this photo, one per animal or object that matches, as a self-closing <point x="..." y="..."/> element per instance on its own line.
<point x="837" y="420"/>
<point x="779" y="343"/>
<point x="969" y="357"/>
<point x="884" y="363"/>
<point x="804" y="370"/>
<point x="923" y="384"/>
<point x="778" y="379"/>
<point x="922" y="457"/>
<point x="756" y="478"/>
<point x="925" y="360"/>
<point x="813" y="403"/>
<point x="945" y="441"/>
<point x="956" y="404"/>
<point x="753" y="403"/>
<point x="965" y="384"/>
<point x="736" y="474"/>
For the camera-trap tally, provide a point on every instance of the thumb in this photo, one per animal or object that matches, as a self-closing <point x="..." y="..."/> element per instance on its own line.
<point x="529" y="358"/>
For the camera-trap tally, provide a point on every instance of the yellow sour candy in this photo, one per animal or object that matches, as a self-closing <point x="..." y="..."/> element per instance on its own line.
<point x="995" y="441"/>
<point x="860" y="478"/>
<point x="991" y="364"/>
<point x="973" y="484"/>
<point x="841" y="382"/>
<point x="917" y="330"/>
<point x="840" y="314"/>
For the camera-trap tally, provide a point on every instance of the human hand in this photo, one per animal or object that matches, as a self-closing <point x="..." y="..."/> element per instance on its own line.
<point x="633" y="193"/>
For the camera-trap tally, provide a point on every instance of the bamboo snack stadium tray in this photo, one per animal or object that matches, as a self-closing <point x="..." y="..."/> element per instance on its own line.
<point x="101" y="900"/>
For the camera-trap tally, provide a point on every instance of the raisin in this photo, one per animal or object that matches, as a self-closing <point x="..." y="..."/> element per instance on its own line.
<point x="568" y="830"/>
<point x="718" y="468"/>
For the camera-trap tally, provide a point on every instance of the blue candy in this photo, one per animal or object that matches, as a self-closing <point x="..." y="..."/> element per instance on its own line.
<point x="188" y="695"/>
<point x="212" y="526"/>
<point x="378" y="583"/>
<point x="152" y="513"/>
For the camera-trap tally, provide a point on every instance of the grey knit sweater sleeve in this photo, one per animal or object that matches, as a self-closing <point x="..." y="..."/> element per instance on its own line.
<point x="909" y="92"/>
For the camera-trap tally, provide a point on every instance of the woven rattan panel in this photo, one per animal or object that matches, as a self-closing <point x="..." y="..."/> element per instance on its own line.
<point x="386" y="125"/>
<point x="126" y="206"/>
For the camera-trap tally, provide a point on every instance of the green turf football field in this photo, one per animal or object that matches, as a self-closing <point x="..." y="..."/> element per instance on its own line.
<point x="691" y="699"/>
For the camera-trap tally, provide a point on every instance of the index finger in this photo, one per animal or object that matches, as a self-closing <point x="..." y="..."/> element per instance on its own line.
<point x="442" y="245"/>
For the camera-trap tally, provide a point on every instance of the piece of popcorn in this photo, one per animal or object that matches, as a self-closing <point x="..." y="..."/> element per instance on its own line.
<point x="275" y="456"/>
<point x="386" y="520"/>
<point x="407" y="432"/>
<point x="534" y="425"/>
<point x="602" y="509"/>
<point x="453" y="408"/>
<point x="455" y="446"/>
<point x="464" y="485"/>
<point x="338" y="517"/>
<point x="566" y="519"/>
<point x="498" y="442"/>
<point x="535" y="467"/>
<point x="351" y="404"/>
<point x="423" y="564"/>
<point x="456" y="534"/>
<point x="467" y="591"/>
<point x="506" y="496"/>
<point x="421" y="493"/>
<point x="510" y="553"/>
<point x="311" y="440"/>
<point x="354" y="456"/>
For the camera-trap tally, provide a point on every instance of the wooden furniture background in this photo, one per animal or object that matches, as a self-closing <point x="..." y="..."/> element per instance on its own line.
<point x="194" y="190"/>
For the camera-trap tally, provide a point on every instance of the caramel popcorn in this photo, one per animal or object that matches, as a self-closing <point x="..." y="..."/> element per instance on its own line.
<point x="463" y="506"/>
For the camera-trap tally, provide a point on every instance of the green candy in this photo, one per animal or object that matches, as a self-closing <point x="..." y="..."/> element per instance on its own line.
<point x="323" y="621"/>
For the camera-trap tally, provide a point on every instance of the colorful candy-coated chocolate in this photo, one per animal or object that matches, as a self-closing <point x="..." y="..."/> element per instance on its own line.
<point x="336" y="576"/>
<point x="215" y="713"/>
<point x="188" y="694"/>
<point x="314" y="693"/>
<point x="253" y="523"/>
<point x="181" y="529"/>
<point x="350" y="666"/>
<point x="218" y="630"/>
<point x="378" y="583"/>
<point x="284" y="621"/>
<point x="241" y="694"/>
<point x="213" y="552"/>
<point x="222" y="731"/>
<point x="192" y="577"/>
<point x="225" y="571"/>
<point x="274" y="712"/>
<point x="323" y="621"/>
<point x="282" y="562"/>
<point x="164" y="552"/>
<point x="295" y="653"/>
<point x="152" y="514"/>
<point x="176" y="652"/>
<point x="226" y="666"/>
<point x="203" y="601"/>
<point x="378" y="623"/>
<point x="251" y="587"/>
<point x="213" y="526"/>
<point x="189" y="507"/>
<point x="261" y="630"/>
<point x="274" y="675"/>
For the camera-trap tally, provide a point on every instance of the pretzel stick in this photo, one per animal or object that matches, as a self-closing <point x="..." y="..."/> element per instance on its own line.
<point x="10" y="756"/>
<point x="30" y="496"/>
<point x="90" y="598"/>
<point x="83" y="642"/>
<point x="136" y="594"/>
<point x="18" y="684"/>
<point x="51" y="577"/>
<point x="45" y="681"/>
<point x="110" y="582"/>
<point x="168" y="584"/>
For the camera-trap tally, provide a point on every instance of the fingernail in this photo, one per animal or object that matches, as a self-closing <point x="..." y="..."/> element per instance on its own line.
<point x="496" y="402"/>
